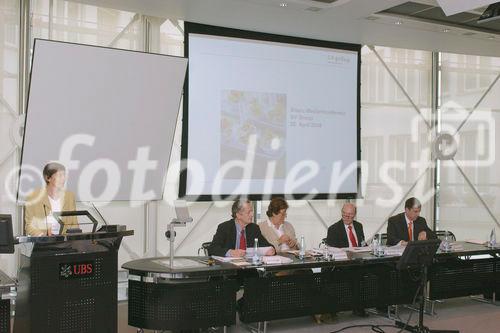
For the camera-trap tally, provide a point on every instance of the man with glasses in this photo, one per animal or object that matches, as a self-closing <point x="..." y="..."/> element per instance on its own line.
<point x="347" y="233"/>
<point x="234" y="236"/>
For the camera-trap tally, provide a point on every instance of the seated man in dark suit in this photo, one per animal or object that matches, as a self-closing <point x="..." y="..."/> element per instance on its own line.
<point x="234" y="236"/>
<point x="346" y="232"/>
<point x="408" y="226"/>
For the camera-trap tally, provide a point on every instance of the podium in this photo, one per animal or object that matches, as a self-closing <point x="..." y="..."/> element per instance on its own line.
<point x="68" y="283"/>
<point x="7" y="286"/>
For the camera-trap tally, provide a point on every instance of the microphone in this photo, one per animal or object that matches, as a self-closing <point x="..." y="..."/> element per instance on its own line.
<point x="46" y="222"/>
<point x="98" y="212"/>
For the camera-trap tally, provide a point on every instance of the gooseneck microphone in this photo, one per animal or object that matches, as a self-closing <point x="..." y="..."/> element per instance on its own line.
<point x="46" y="222"/>
<point x="98" y="212"/>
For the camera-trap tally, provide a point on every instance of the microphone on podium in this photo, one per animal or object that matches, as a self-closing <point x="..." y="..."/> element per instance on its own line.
<point x="46" y="222"/>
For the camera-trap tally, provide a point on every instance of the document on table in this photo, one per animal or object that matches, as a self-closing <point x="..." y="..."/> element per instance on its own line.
<point x="308" y="254"/>
<point x="238" y="261"/>
<point x="260" y="250"/>
<point x="226" y="259"/>
<point x="396" y="250"/>
<point x="276" y="260"/>
<point x="476" y="241"/>
<point x="359" y="249"/>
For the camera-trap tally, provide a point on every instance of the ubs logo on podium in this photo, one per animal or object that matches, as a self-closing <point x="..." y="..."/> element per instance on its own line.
<point x="76" y="270"/>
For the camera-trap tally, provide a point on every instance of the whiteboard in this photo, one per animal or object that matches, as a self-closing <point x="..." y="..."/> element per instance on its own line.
<point x="108" y="115"/>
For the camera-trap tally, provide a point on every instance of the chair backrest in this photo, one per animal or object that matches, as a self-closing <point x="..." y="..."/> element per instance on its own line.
<point x="204" y="247"/>
<point x="384" y="238"/>
<point x="441" y="234"/>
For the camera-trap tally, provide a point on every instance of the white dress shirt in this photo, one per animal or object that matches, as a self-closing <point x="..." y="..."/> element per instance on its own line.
<point x="53" y="224"/>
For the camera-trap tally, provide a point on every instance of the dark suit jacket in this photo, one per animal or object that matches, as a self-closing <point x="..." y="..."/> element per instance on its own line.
<point x="397" y="229"/>
<point x="225" y="238"/>
<point x="337" y="236"/>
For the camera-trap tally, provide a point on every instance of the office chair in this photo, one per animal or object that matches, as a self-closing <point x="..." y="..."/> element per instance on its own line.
<point x="440" y="234"/>
<point x="204" y="247"/>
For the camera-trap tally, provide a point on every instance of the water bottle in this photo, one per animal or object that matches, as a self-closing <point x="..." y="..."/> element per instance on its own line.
<point x="256" y="257"/>
<point x="446" y="247"/>
<point x="380" y="249"/>
<point x="326" y="255"/>
<point x="302" y="251"/>
<point x="375" y="245"/>
<point x="493" y="238"/>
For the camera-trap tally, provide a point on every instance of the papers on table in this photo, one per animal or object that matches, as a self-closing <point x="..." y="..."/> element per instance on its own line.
<point x="359" y="249"/>
<point x="226" y="259"/>
<point x="338" y="253"/>
<point x="238" y="261"/>
<point x="456" y="247"/>
<point x="335" y="252"/>
<point x="476" y="241"/>
<point x="268" y="260"/>
<point x="276" y="260"/>
<point x="260" y="250"/>
<point x="396" y="250"/>
<point x="317" y="252"/>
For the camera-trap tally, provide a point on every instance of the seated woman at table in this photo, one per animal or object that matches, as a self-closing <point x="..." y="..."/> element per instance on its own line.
<point x="276" y="230"/>
<point x="41" y="203"/>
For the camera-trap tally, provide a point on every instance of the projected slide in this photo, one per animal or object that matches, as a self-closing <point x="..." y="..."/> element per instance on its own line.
<point x="247" y="114"/>
<point x="266" y="117"/>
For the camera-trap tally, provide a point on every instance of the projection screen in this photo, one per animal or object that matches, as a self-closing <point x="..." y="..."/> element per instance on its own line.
<point x="269" y="115"/>
<point x="107" y="114"/>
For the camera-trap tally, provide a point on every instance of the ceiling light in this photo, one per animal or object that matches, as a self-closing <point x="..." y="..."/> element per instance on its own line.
<point x="283" y="4"/>
<point x="445" y="30"/>
<point x="491" y="37"/>
<point x="399" y="22"/>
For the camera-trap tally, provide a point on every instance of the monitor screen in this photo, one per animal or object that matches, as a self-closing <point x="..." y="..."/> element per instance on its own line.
<point x="6" y="234"/>
<point x="418" y="253"/>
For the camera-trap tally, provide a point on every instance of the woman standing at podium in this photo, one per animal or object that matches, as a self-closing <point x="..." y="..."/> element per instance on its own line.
<point x="41" y="203"/>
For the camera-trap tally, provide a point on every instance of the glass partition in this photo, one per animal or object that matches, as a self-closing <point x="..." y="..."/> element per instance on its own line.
<point x="470" y="105"/>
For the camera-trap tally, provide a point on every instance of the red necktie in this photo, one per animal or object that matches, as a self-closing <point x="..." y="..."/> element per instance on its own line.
<point x="352" y="238"/>
<point x="410" y="231"/>
<point x="243" y="242"/>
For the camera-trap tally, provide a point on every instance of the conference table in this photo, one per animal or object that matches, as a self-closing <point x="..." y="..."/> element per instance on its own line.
<point x="200" y="292"/>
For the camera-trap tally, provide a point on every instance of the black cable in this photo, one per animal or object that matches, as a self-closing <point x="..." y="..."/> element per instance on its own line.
<point x="411" y="314"/>
<point x="375" y="328"/>
<point x="378" y="328"/>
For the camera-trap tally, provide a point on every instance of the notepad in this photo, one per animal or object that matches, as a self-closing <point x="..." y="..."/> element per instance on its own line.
<point x="276" y="260"/>
<point x="260" y="250"/>
<point x="226" y="259"/>
<point x="359" y="249"/>
<point x="476" y="241"/>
